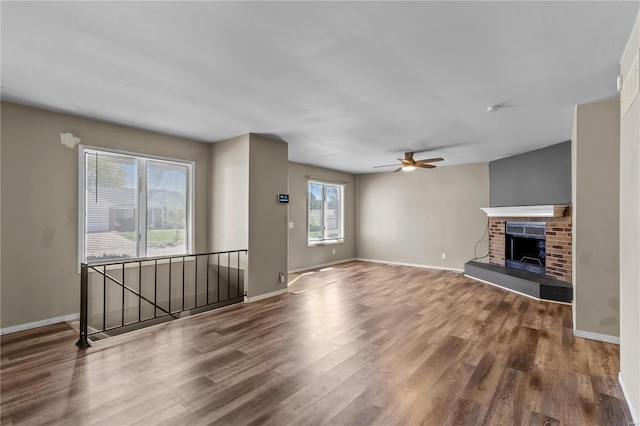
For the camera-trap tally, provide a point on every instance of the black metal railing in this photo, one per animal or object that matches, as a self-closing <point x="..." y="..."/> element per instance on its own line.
<point x="158" y="289"/>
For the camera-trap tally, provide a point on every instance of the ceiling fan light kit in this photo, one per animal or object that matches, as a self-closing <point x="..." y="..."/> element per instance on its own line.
<point x="408" y="164"/>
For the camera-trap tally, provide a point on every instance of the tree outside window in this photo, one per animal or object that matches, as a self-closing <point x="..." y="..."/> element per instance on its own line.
<point x="325" y="212"/>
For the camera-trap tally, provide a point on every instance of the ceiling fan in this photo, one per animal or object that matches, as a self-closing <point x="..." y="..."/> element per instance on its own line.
<point x="408" y="163"/>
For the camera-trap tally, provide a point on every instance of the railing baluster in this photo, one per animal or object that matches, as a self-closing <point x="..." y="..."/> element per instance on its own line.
<point x="104" y="299"/>
<point x="83" y="341"/>
<point x="183" y="283"/>
<point x="115" y="280"/>
<point x="122" y="322"/>
<point x="196" y="283"/>
<point x="155" y="289"/>
<point x="140" y="291"/>
<point x="183" y="305"/>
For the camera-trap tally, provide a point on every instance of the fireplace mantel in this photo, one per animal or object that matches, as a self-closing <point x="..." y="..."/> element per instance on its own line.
<point x="551" y="210"/>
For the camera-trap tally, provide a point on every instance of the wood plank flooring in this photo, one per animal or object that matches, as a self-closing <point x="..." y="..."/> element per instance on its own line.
<point x="374" y="344"/>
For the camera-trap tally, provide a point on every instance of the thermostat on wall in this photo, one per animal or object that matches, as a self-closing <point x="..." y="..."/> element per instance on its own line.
<point x="283" y="198"/>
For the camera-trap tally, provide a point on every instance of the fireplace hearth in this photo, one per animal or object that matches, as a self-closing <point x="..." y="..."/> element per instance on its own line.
<point x="530" y="251"/>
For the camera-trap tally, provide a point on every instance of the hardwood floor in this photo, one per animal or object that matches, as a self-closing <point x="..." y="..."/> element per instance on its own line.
<point x="376" y="344"/>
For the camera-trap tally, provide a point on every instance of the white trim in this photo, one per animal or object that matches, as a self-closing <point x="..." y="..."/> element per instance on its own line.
<point x="264" y="296"/>
<point x="35" y="324"/>
<point x="82" y="204"/>
<point x="415" y="265"/>
<point x="552" y="210"/>
<point x="325" y="242"/>
<point x="324" y="181"/>
<point x="126" y="154"/>
<point x="627" y="397"/>
<point x="296" y="279"/>
<point x="306" y="268"/>
<point x="596" y="336"/>
<point x="517" y="292"/>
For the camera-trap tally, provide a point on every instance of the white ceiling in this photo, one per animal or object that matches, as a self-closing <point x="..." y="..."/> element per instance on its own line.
<point x="349" y="85"/>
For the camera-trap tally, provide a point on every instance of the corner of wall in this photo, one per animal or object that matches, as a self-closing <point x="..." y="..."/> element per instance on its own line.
<point x="630" y="235"/>
<point x="268" y="172"/>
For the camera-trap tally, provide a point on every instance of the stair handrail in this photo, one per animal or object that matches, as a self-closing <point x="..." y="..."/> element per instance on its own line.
<point x="83" y="340"/>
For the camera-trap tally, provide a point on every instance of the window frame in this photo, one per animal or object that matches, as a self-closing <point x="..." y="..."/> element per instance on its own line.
<point x="326" y="241"/>
<point x="142" y="191"/>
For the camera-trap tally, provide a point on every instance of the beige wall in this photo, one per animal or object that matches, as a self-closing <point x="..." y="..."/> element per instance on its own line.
<point x="595" y="207"/>
<point x="300" y="254"/>
<point x="415" y="217"/>
<point x="40" y="204"/>
<point x="268" y="164"/>
<point x="229" y="196"/>
<point x="630" y="237"/>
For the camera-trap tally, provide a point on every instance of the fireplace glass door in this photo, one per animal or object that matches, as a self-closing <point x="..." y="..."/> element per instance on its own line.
<point x="525" y="246"/>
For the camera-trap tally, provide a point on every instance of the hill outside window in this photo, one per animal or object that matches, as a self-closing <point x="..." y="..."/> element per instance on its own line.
<point x="133" y="206"/>
<point x="325" y="213"/>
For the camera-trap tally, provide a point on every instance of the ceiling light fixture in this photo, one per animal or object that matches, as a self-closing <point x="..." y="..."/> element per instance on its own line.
<point x="493" y="108"/>
<point x="408" y="167"/>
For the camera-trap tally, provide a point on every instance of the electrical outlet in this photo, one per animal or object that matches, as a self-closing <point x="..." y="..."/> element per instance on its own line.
<point x="334" y="251"/>
<point x="444" y="256"/>
<point x="290" y="225"/>
<point x="281" y="277"/>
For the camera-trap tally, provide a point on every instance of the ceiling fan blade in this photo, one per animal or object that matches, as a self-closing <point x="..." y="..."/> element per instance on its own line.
<point x="388" y="165"/>
<point x="397" y="170"/>
<point x="406" y="161"/>
<point x="429" y="160"/>
<point x="425" y="166"/>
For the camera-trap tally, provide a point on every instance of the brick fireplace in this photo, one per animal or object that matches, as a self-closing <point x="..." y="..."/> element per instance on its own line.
<point x="558" y="242"/>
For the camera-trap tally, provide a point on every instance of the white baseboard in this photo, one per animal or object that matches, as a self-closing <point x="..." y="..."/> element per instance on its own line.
<point x="415" y="265"/>
<point x="627" y="397"/>
<point x="35" y="324"/>
<point x="294" y="280"/>
<point x="264" y="296"/>
<point x="596" y="336"/>
<point x="306" y="268"/>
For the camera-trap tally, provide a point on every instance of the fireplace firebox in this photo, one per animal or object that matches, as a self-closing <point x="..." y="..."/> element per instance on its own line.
<point x="525" y="246"/>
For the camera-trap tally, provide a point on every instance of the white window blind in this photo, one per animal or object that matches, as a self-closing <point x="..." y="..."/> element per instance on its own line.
<point x="133" y="206"/>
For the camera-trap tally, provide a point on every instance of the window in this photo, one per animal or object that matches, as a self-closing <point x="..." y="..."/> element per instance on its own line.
<point x="325" y="223"/>
<point x="133" y="206"/>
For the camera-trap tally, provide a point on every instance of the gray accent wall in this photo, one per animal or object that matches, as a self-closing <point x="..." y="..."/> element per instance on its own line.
<point x="537" y="177"/>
